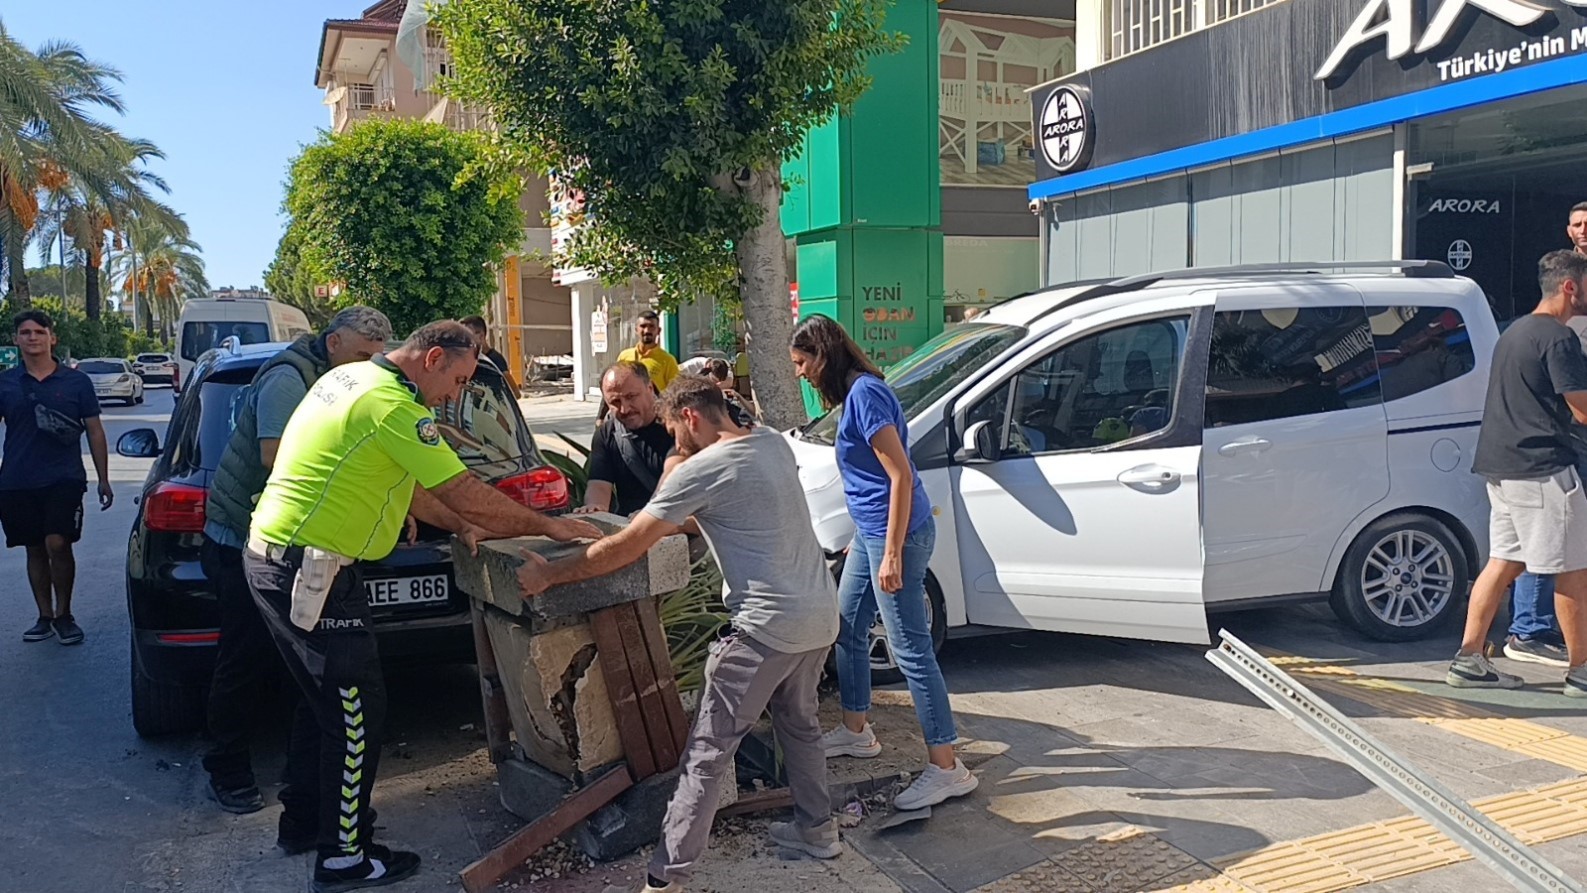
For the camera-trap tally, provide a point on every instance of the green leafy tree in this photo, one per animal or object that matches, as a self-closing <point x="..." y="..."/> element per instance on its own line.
<point x="291" y="280"/>
<point x="403" y="215"/>
<point x="673" y="120"/>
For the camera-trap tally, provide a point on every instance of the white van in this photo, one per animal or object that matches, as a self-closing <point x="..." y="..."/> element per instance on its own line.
<point x="206" y="322"/>
<point x="1119" y="458"/>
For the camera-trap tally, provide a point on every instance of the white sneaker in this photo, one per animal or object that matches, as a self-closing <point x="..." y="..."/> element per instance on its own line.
<point x="841" y="742"/>
<point x="936" y="785"/>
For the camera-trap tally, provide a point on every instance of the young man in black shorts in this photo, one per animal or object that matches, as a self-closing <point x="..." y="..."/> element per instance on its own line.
<point x="46" y="409"/>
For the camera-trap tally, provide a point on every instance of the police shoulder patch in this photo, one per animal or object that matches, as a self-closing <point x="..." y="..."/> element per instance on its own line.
<point x="428" y="433"/>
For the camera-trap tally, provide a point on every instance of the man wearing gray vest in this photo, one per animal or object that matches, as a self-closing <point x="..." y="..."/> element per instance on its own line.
<point x="246" y="652"/>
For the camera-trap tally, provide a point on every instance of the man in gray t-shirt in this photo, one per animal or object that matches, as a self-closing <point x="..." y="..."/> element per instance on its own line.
<point x="741" y="486"/>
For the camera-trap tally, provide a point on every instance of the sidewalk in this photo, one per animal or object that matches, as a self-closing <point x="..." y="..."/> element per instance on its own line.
<point x="556" y="414"/>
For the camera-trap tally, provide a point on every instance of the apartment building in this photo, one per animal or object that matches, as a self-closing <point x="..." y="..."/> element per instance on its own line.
<point x="363" y="77"/>
<point x="1211" y="132"/>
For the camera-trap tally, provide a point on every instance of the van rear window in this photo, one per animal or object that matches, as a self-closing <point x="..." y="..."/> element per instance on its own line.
<point x="1419" y="348"/>
<point x="199" y="336"/>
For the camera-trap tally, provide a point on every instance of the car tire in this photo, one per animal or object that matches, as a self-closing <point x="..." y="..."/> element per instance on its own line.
<point x="883" y="672"/>
<point x="1404" y="578"/>
<point x="139" y="398"/>
<point x="162" y="708"/>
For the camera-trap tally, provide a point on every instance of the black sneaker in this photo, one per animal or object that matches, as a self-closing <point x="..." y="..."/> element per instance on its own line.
<point x="1536" y="651"/>
<point x="239" y="801"/>
<point x="378" y="868"/>
<point x="40" y="631"/>
<point x="66" y="627"/>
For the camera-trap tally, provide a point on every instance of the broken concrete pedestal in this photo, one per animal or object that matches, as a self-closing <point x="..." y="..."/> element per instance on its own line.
<point x="586" y="683"/>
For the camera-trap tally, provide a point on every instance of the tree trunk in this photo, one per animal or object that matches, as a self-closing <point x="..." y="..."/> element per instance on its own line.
<point x="763" y="286"/>
<point x="90" y="289"/>
<point x="20" y="295"/>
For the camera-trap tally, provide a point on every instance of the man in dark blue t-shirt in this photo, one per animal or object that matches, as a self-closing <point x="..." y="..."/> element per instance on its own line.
<point x="46" y="409"/>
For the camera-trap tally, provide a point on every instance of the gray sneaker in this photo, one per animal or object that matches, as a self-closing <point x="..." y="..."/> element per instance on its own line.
<point x="820" y="842"/>
<point x="1576" y="683"/>
<point x="936" y="785"/>
<point x="1476" y="671"/>
<point x="1536" y="651"/>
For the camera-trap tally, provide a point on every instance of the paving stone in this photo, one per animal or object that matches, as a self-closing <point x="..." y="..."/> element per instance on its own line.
<point x="1043" y="877"/>
<point x="1125" y="862"/>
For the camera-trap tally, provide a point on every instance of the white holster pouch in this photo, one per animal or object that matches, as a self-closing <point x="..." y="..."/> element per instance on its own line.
<point x="312" y="584"/>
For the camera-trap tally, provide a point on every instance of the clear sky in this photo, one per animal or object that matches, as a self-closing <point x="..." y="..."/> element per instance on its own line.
<point x="225" y="88"/>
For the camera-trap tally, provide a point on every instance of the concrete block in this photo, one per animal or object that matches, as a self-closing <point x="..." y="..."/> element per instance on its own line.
<point x="492" y="576"/>
<point x="633" y="820"/>
<point x="556" y="694"/>
<point x="528" y="790"/>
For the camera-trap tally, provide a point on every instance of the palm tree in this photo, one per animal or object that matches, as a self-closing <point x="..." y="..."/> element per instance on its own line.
<point x="94" y="219"/>
<point x="164" y="268"/>
<point x="47" y="138"/>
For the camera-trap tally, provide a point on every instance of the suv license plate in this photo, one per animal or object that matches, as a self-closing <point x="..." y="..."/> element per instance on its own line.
<point x="408" y="590"/>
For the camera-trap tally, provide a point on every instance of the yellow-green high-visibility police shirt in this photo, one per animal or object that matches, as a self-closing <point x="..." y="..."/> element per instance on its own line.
<point x="349" y="457"/>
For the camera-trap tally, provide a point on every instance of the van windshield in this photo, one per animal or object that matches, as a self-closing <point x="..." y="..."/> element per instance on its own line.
<point x="199" y="336"/>
<point x="925" y="375"/>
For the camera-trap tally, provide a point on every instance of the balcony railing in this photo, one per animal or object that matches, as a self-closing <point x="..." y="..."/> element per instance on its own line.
<point x="1134" y="25"/>
<point x="359" y="101"/>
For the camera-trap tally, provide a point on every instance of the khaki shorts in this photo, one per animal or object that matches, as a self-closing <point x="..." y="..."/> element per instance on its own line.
<point x="1540" y="523"/>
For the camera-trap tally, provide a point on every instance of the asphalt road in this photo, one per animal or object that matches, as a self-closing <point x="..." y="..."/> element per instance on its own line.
<point x="87" y="805"/>
<point x="81" y="791"/>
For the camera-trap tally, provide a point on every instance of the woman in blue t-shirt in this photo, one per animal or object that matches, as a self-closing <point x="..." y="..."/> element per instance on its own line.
<point x="893" y="538"/>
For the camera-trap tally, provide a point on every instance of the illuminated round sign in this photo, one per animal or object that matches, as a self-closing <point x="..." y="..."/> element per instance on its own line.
<point x="1066" y="130"/>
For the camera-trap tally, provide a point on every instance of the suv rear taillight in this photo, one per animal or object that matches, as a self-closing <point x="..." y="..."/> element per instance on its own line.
<point x="542" y="489"/>
<point x="175" y="508"/>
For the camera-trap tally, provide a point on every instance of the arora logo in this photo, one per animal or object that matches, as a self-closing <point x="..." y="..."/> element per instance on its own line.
<point x="1464" y="206"/>
<point x="1065" y="130"/>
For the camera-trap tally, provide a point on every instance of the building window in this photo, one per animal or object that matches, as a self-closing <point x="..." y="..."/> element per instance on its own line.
<point x="1134" y="25"/>
<point x="1419" y="348"/>
<point x="1286" y="362"/>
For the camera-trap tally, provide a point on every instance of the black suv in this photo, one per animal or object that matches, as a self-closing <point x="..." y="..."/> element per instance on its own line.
<point x="420" y="614"/>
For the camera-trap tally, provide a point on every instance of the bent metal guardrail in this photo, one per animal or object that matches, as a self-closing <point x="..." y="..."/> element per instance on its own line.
<point x="1475" y="832"/>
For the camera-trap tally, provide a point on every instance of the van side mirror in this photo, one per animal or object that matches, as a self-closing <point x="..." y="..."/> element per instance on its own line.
<point x="139" y="443"/>
<point x="980" y="444"/>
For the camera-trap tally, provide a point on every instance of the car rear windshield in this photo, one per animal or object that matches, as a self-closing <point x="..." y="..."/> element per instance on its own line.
<point x="199" y="336"/>
<point x="485" y="428"/>
<point x="154" y="358"/>
<point x="488" y="435"/>
<point x="100" y="367"/>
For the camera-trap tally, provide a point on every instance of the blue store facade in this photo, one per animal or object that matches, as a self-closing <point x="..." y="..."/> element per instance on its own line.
<point x="1309" y="130"/>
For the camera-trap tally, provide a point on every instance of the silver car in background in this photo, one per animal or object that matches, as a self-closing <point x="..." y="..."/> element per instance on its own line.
<point x="113" y="379"/>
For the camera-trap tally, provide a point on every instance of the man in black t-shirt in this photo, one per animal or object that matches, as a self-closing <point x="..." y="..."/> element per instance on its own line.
<point x="1537" y="507"/>
<point x="629" y="455"/>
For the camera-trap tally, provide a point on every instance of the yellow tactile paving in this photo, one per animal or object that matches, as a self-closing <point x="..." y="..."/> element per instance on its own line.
<point x="1368" y="854"/>
<point x="1371" y="853"/>
<point x="1467" y="720"/>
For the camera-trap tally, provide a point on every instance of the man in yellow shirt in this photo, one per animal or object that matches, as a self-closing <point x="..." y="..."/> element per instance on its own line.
<point x="662" y="366"/>
<point x="360" y="453"/>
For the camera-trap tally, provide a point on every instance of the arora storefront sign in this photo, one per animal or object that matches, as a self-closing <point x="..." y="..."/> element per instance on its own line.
<point x="1299" y="60"/>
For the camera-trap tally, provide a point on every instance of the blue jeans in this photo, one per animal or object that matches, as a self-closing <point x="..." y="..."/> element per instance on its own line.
<point x="908" y="626"/>
<point x="1532" y="607"/>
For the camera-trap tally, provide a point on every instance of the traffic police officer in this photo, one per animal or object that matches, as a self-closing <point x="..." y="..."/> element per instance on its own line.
<point x="342" y="486"/>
